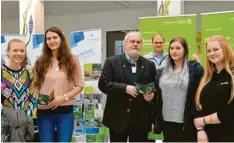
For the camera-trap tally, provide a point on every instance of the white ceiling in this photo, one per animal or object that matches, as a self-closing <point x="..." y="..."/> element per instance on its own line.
<point x="10" y="9"/>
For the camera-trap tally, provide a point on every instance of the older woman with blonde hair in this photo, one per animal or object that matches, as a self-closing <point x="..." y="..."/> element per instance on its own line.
<point x="214" y="98"/>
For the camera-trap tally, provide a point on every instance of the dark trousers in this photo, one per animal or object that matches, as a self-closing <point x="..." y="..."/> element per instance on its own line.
<point x="173" y="132"/>
<point x="132" y="132"/>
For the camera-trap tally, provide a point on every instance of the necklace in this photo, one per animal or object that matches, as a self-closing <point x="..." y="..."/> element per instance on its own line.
<point x="57" y="69"/>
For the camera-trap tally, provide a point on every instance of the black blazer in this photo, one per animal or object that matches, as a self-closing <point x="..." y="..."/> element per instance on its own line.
<point x="122" y="109"/>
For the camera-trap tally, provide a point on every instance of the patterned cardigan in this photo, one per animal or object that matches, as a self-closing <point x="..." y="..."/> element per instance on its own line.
<point x="17" y="89"/>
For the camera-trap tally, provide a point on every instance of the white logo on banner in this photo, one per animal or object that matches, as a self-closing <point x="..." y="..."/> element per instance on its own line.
<point x="190" y="21"/>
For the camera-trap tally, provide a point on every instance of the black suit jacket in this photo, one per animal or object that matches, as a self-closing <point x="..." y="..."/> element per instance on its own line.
<point x="122" y="109"/>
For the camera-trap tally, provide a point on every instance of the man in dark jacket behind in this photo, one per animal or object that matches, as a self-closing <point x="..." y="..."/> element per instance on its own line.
<point x="128" y="113"/>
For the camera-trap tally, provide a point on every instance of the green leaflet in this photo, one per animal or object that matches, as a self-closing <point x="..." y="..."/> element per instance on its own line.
<point x="144" y="88"/>
<point x="44" y="99"/>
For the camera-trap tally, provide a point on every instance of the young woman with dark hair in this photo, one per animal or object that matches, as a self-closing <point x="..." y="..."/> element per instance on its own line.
<point x="176" y="85"/>
<point x="58" y="75"/>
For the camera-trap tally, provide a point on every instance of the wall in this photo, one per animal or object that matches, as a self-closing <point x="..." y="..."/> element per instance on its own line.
<point x="115" y="21"/>
<point x="10" y="26"/>
<point x="198" y="7"/>
<point x="107" y="21"/>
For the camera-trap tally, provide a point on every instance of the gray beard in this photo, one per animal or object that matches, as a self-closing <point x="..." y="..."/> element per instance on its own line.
<point x="133" y="55"/>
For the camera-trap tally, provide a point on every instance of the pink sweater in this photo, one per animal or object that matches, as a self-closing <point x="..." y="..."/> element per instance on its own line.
<point x="56" y="82"/>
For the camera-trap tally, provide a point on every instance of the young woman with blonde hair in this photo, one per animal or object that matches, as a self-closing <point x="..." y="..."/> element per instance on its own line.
<point x="214" y="98"/>
<point x="17" y="90"/>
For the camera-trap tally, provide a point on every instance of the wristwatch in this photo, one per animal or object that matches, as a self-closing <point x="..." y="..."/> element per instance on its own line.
<point x="66" y="97"/>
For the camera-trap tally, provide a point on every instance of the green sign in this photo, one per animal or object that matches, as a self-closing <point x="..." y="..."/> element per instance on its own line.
<point x="217" y="24"/>
<point x="169" y="27"/>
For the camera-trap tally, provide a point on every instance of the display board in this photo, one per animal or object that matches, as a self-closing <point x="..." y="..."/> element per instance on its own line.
<point x="86" y="45"/>
<point x="169" y="27"/>
<point x="219" y="23"/>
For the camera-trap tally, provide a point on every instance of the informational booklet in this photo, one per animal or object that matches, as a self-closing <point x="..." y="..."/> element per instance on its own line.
<point x="145" y="88"/>
<point x="44" y="99"/>
<point x="47" y="92"/>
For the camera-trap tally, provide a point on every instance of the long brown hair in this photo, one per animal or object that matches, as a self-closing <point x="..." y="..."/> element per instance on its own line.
<point x="210" y="67"/>
<point x="64" y="56"/>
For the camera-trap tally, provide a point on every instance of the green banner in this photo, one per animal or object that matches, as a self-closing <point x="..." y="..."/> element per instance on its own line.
<point x="217" y="24"/>
<point x="169" y="27"/>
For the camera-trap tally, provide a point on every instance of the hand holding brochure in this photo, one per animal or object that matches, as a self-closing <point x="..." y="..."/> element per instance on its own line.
<point x="46" y="93"/>
<point x="145" y="88"/>
<point x="44" y="99"/>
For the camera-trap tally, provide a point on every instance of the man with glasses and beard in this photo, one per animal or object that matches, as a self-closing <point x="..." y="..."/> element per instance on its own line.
<point x="128" y="114"/>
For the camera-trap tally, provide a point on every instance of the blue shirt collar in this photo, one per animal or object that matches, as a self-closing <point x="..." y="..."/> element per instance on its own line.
<point x="130" y="60"/>
<point x="161" y="56"/>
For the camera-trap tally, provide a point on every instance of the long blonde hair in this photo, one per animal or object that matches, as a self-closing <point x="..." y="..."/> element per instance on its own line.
<point x="210" y="67"/>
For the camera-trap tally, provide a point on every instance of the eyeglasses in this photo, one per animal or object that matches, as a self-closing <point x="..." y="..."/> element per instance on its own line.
<point x="133" y="41"/>
<point x="158" y="42"/>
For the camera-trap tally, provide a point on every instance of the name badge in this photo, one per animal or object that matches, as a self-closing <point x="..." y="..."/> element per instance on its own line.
<point x="133" y="69"/>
